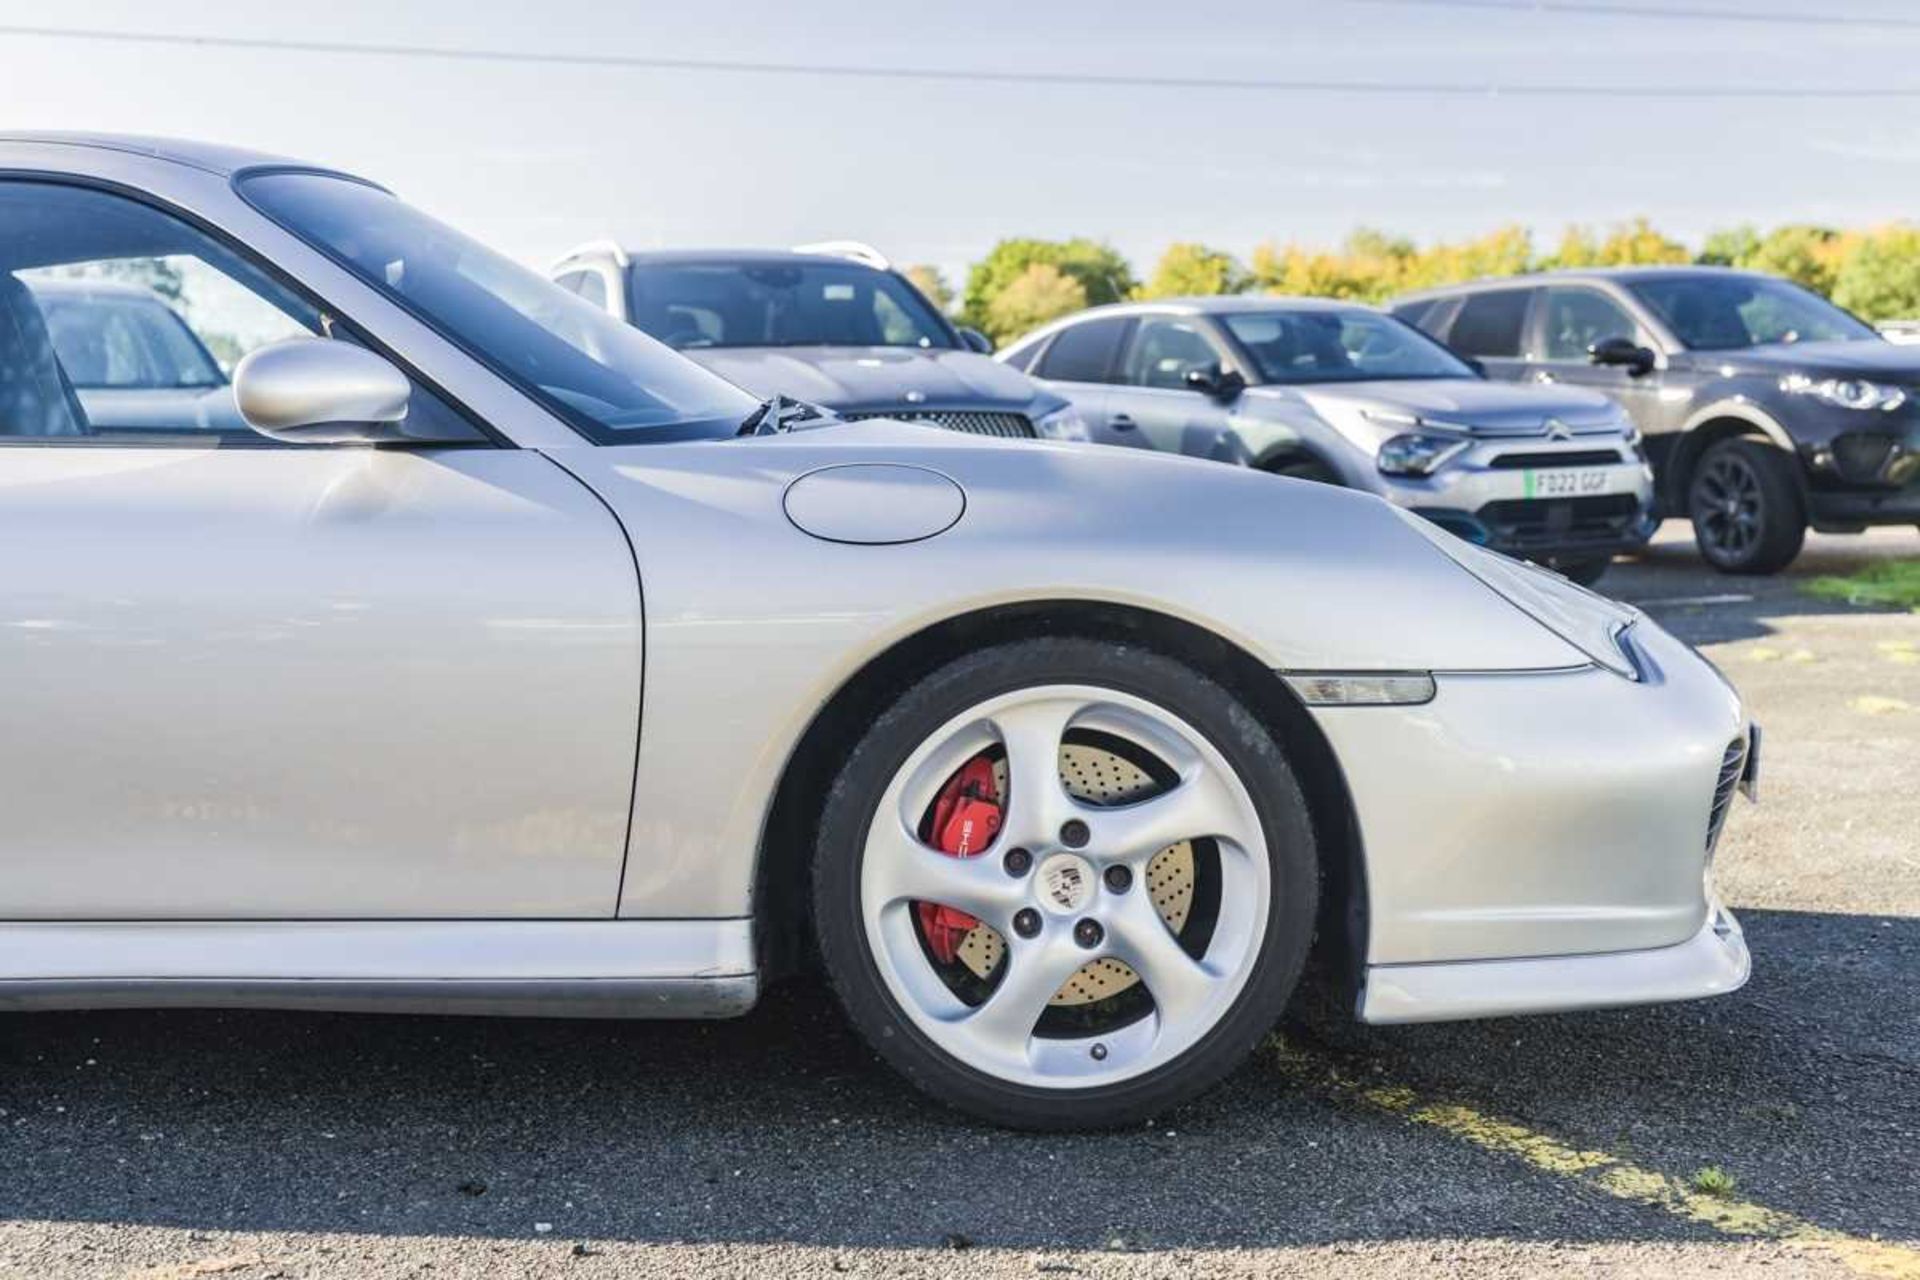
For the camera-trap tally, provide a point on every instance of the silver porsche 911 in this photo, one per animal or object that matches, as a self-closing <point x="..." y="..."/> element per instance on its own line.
<point x="494" y="657"/>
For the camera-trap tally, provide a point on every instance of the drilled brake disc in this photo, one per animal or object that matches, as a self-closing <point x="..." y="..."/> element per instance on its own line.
<point x="1099" y="777"/>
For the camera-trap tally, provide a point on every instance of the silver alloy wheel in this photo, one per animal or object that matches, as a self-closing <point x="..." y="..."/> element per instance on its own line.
<point x="1066" y="887"/>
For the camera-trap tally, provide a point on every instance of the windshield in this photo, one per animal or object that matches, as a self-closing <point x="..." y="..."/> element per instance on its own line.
<point x="125" y="343"/>
<point x="782" y="304"/>
<point x="1723" y="313"/>
<point x="1325" y="345"/>
<point x="612" y="382"/>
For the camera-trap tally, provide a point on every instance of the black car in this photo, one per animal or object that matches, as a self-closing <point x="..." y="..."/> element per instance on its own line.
<point x="831" y="325"/>
<point x="1766" y="409"/>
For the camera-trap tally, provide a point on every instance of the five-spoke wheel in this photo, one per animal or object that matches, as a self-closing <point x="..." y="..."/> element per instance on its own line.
<point x="1145" y="898"/>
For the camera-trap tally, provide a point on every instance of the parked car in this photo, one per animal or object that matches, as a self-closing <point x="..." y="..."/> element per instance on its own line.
<point x="832" y="325"/>
<point x="1346" y="395"/>
<point x="1061" y="756"/>
<point x="1765" y="408"/>
<point x="134" y="363"/>
<point x="1906" y="332"/>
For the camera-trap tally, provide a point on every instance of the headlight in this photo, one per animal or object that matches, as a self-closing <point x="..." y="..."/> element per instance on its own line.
<point x="1064" y="423"/>
<point x="1417" y="453"/>
<point x="1845" y="393"/>
<point x="1591" y="623"/>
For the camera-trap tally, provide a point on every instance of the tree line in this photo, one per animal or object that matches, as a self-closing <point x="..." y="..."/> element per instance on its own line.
<point x="1024" y="283"/>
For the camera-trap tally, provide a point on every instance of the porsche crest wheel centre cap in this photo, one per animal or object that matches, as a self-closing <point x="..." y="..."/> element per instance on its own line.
<point x="1065" y="883"/>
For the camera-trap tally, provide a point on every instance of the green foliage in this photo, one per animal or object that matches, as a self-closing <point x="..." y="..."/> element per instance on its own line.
<point x="1630" y="244"/>
<point x="1890" y="583"/>
<point x="1041" y="293"/>
<point x="1880" y="279"/>
<point x="1190" y="270"/>
<point x="929" y="281"/>
<point x="1806" y="255"/>
<point x="1102" y="274"/>
<point x="1730" y="246"/>
<point x="1713" y="1181"/>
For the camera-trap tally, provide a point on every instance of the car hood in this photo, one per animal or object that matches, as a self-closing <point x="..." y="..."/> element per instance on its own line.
<point x="1462" y="404"/>
<point x="1299" y="575"/>
<point x="876" y="379"/>
<point x="1865" y="358"/>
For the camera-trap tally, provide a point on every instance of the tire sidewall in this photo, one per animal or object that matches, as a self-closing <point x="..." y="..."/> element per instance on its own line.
<point x="1782" y="510"/>
<point x="1213" y="712"/>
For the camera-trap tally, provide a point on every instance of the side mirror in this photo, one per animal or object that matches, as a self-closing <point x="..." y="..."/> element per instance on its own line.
<point x="977" y="341"/>
<point x="1623" y="352"/>
<point x="320" y="391"/>
<point x="1213" y="381"/>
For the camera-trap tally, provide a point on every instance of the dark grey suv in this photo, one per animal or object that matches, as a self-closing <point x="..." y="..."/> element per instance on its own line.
<point x="831" y="325"/>
<point x="1765" y="408"/>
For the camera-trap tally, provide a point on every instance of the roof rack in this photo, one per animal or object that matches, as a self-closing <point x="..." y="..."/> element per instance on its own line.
<point x="865" y="254"/>
<point x="609" y="247"/>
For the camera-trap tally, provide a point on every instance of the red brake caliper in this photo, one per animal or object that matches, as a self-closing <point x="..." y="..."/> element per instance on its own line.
<point x="966" y="817"/>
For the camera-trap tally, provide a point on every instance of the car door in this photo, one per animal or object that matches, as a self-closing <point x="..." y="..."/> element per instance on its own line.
<point x="1490" y="327"/>
<point x="246" y="679"/>
<point x="1151" y="395"/>
<point x="1569" y="321"/>
<point x="1079" y="363"/>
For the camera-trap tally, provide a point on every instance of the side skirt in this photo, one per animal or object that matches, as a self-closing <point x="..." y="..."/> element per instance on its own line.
<point x="543" y="968"/>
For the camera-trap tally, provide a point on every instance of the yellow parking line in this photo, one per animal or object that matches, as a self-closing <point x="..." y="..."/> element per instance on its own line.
<point x="1605" y="1172"/>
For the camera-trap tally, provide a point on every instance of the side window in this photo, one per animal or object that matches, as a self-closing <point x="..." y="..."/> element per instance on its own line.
<point x="1022" y="357"/>
<point x="1489" y="324"/>
<point x="1164" y="350"/>
<point x="1578" y="318"/>
<point x="1084" y="352"/>
<point x="122" y="324"/>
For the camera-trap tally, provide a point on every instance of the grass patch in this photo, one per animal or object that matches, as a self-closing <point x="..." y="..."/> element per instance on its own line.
<point x="1713" y="1181"/>
<point x="1887" y="582"/>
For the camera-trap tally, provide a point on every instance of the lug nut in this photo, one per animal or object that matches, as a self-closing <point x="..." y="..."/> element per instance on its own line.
<point x="1074" y="833"/>
<point x="1119" y="879"/>
<point x="1017" y="862"/>
<point x="1098" y="1052"/>
<point x="1026" y="922"/>
<point x="1087" y="933"/>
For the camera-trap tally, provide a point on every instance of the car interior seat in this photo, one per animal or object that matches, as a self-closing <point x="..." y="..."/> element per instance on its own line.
<point x="36" y="399"/>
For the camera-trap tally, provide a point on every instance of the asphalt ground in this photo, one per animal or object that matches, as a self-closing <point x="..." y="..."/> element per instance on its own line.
<point x="251" y="1145"/>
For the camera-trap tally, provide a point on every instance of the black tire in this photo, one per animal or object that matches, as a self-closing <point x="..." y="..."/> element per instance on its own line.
<point x="1251" y="751"/>
<point x="1744" y="500"/>
<point x="1299" y="468"/>
<point x="1586" y="570"/>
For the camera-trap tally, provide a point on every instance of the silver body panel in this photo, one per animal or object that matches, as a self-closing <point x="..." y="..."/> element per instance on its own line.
<point x="352" y="727"/>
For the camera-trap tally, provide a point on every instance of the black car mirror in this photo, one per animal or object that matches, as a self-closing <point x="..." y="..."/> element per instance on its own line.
<point x="977" y="341"/>
<point x="1212" y="380"/>
<point x="1623" y="352"/>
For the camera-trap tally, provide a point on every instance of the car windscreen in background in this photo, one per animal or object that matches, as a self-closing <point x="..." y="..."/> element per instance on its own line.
<point x="1330" y="345"/>
<point x="1727" y="312"/>
<point x="689" y="305"/>
<point x="607" y="379"/>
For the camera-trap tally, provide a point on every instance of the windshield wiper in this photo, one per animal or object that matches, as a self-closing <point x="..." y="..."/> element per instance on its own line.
<point x="783" y="413"/>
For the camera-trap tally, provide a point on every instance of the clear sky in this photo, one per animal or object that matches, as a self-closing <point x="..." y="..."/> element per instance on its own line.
<point x="536" y="157"/>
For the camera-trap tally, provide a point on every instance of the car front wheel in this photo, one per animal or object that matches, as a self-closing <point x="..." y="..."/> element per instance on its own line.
<point x="1065" y="883"/>
<point x="1744" y="500"/>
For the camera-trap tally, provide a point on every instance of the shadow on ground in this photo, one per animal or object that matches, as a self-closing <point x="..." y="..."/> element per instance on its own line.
<point x="780" y="1127"/>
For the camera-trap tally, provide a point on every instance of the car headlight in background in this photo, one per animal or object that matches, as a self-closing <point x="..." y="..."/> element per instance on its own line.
<point x="1846" y="393"/>
<point x="1417" y="453"/>
<point x="1064" y="423"/>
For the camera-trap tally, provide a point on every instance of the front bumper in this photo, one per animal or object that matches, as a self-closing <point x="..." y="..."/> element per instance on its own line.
<point x="1528" y="819"/>
<point x="1713" y="962"/>
<point x="1535" y="499"/>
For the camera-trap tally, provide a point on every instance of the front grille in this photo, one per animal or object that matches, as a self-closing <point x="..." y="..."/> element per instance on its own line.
<point x="1013" y="426"/>
<point x="1731" y="763"/>
<point x="1520" y="521"/>
<point x="1571" y="458"/>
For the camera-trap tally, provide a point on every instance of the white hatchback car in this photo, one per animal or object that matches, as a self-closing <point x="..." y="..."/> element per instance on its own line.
<point x="508" y="662"/>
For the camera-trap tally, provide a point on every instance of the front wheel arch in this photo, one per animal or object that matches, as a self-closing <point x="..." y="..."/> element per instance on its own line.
<point x="1709" y="429"/>
<point x="787" y="836"/>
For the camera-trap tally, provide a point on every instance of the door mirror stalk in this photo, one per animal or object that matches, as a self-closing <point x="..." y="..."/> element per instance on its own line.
<point x="1623" y="353"/>
<point x="1212" y="380"/>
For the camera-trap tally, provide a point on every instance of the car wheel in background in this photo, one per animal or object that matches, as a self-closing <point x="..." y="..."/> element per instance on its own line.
<point x="1065" y="883"/>
<point x="1744" y="501"/>
<point x="1303" y="469"/>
